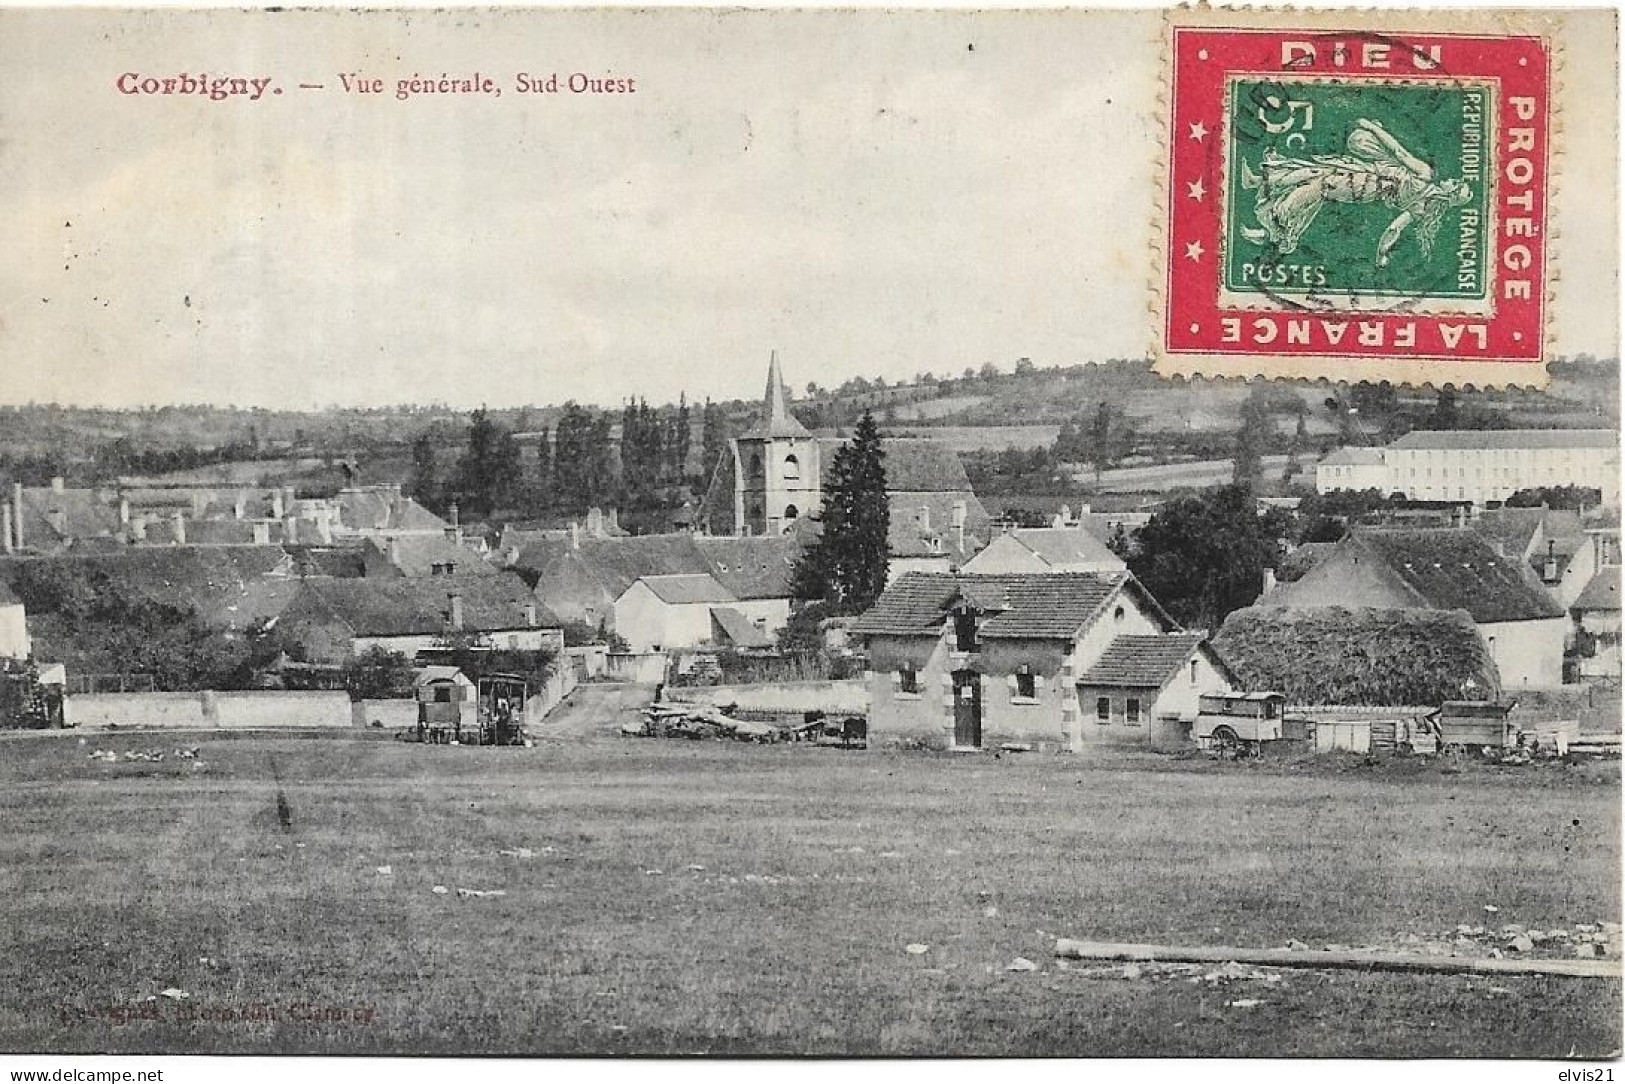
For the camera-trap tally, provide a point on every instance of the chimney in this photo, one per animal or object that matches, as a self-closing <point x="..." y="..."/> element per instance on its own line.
<point x="530" y="613"/>
<point x="262" y="533"/>
<point x="1269" y="580"/>
<point x="614" y="519"/>
<point x="452" y="514"/>
<point x="277" y="511"/>
<point x="240" y="508"/>
<point x="395" y="552"/>
<point x="595" y="522"/>
<point x="138" y="529"/>
<point x="290" y="529"/>
<point x="1551" y="561"/>
<point x="17" y="510"/>
<point x="959" y="525"/>
<point x="59" y="484"/>
<point x="124" y="513"/>
<point x="179" y="520"/>
<point x="575" y="535"/>
<point x="324" y="527"/>
<point x="6" y="543"/>
<point x="456" y="613"/>
<point x="925" y="517"/>
<point x="288" y="501"/>
<point x="1084" y="509"/>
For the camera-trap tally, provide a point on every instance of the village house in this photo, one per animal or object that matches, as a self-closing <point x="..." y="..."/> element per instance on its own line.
<point x="1045" y="549"/>
<point x="50" y="519"/>
<point x="334" y="620"/>
<point x="1355" y="469"/>
<point x="582" y="578"/>
<point x="1443" y="569"/>
<point x="659" y="613"/>
<point x="1053" y="660"/>
<point x="1596" y="613"/>
<point x="775" y="473"/>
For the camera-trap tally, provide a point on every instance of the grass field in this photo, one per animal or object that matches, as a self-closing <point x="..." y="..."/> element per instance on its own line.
<point x="675" y="898"/>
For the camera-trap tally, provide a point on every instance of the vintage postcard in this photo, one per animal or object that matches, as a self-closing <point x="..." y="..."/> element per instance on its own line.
<point x="809" y="533"/>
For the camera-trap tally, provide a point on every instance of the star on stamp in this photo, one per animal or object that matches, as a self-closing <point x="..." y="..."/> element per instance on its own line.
<point x="1356" y="205"/>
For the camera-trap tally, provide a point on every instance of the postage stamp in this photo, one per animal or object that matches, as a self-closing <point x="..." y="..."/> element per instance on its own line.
<point x="1356" y="204"/>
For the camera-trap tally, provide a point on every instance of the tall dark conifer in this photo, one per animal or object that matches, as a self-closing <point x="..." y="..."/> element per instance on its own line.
<point x="847" y="566"/>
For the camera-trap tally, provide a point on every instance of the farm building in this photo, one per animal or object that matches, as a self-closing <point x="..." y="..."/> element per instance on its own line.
<point x="1362" y="656"/>
<point x="1045" y="549"/>
<point x="333" y="620"/>
<point x="657" y="613"/>
<point x="968" y="661"/>
<point x="1443" y="569"/>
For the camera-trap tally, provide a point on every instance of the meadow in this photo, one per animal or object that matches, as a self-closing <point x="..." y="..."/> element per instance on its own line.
<point x="633" y="896"/>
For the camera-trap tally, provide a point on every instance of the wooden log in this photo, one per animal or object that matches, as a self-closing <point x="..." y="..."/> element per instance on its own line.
<point x="1344" y="960"/>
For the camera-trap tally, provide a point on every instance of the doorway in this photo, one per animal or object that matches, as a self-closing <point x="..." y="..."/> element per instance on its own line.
<point x="967" y="709"/>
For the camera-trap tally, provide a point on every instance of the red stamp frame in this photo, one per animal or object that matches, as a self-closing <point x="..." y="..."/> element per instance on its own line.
<point x="1201" y="321"/>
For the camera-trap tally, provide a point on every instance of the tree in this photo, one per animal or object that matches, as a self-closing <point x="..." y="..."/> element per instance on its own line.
<point x="679" y="444"/>
<point x="1568" y="498"/>
<point x="581" y="458"/>
<point x="542" y="491"/>
<point x="713" y="438"/>
<point x="1204" y="555"/>
<point x="490" y="468"/>
<point x="1251" y="440"/>
<point x="846" y="566"/>
<point x="1446" y="411"/>
<point x="424" y="483"/>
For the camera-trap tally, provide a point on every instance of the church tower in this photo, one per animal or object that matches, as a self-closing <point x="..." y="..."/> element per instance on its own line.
<point x="776" y="468"/>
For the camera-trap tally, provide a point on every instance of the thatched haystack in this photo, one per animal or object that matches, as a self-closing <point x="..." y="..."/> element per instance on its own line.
<point x="1334" y="655"/>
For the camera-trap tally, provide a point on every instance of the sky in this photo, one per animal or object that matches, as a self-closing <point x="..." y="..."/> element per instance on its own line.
<point x="867" y="193"/>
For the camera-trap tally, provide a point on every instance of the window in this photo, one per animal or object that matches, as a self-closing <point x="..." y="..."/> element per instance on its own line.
<point x="791" y="512"/>
<point x="908" y="681"/>
<point x="1103" y="709"/>
<point x="1132" y="711"/>
<point x="792" y="469"/>
<point x="442" y="694"/>
<point x="965" y="630"/>
<point x="1193" y="671"/>
<point x="1027" y="686"/>
<point x="1117" y="614"/>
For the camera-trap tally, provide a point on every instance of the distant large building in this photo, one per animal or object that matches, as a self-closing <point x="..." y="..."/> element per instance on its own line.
<point x="1477" y="465"/>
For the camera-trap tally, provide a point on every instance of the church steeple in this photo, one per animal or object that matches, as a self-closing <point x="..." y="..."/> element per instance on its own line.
<point x="775" y="419"/>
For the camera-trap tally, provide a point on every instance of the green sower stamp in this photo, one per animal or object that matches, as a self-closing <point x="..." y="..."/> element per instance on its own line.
<point x="1356" y="202"/>
<point x="1358" y="197"/>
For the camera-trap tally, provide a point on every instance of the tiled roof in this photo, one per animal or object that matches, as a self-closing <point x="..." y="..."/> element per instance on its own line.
<point x="1602" y="593"/>
<point x="1042" y="606"/>
<point x="418" y="554"/>
<point x="913" y="465"/>
<point x="687" y="587"/>
<point x="1451" y="569"/>
<point x="1510" y="530"/>
<point x="421" y="606"/>
<point x="1306" y="556"/>
<point x="1142" y="661"/>
<point x="50" y="517"/>
<point x="383" y="509"/>
<point x="1066" y="546"/>
<point x="738" y="628"/>
<point x="1508" y="438"/>
<point x="206" y="578"/>
<point x="1353" y="457"/>
<point x="754" y="567"/>
<point x="906" y="537"/>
